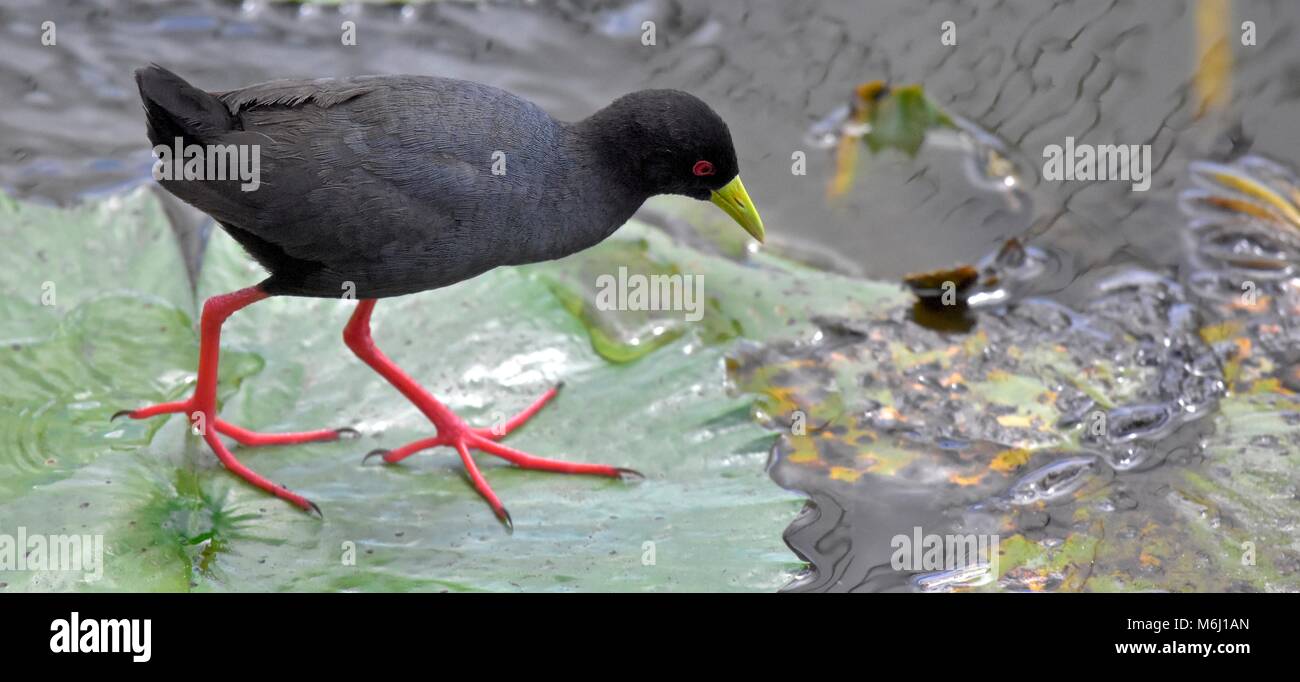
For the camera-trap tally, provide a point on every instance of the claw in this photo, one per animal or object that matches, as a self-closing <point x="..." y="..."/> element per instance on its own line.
<point x="377" y="452"/>
<point x="316" y="508"/>
<point x="120" y="413"/>
<point x="347" y="432"/>
<point x="623" y="472"/>
<point x="504" y="517"/>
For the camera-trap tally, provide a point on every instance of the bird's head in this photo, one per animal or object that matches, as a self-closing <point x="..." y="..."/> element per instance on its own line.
<point x="671" y="142"/>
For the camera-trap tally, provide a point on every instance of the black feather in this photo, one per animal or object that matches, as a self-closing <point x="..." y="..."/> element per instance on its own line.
<point x="385" y="185"/>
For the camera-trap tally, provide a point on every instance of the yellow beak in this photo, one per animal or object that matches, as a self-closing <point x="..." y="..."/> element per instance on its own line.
<point x="733" y="199"/>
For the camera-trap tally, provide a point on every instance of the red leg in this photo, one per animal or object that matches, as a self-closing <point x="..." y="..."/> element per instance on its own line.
<point x="452" y="430"/>
<point x="201" y="408"/>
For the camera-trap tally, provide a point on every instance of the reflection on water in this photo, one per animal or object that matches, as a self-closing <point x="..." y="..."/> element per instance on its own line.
<point x="1082" y="433"/>
<point x="1030" y="74"/>
<point x="1126" y="314"/>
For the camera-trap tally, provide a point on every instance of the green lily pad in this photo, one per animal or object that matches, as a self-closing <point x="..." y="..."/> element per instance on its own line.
<point x="121" y="336"/>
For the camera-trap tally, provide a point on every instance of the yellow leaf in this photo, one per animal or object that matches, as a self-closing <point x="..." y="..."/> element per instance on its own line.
<point x="1220" y="332"/>
<point x="965" y="480"/>
<point x="845" y="474"/>
<point x="1272" y="385"/>
<point x="1015" y="421"/>
<point x="1009" y="460"/>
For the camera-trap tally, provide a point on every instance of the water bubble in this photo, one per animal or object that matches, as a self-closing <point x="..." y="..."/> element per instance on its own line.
<point x="1052" y="482"/>
<point x="1131" y="422"/>
<point x="974" y="575"/>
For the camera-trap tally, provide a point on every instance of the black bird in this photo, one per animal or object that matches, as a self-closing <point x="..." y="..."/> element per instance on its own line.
<point x="380" y="186"/>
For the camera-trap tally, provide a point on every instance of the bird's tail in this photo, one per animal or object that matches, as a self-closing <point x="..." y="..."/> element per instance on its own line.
<point x="177" y="109"/>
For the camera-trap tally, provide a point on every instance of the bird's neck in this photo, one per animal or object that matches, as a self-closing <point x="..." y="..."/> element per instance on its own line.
<point x="615" y="143"/>
<point x="604" y="177"/>
<point x="584" y="201"/>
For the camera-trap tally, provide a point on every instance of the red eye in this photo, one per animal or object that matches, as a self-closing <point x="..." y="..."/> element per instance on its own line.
<point x="702" y="168"/>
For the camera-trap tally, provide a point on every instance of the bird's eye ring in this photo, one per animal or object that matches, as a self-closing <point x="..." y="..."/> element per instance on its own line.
<point x="703" y="168"/>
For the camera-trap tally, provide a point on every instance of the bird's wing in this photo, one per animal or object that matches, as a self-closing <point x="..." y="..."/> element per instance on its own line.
<point x="323" y="92"/>
<point x="388" y="170"/>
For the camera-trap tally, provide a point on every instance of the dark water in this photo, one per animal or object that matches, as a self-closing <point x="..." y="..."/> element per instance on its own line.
<point x="1029" y="73"/>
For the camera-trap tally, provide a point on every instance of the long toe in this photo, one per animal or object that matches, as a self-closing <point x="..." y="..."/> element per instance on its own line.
<point x="234" y="466"/>
<point x="481" y="485"/>
<point x="499" y="431"/>
<point x="155" y="410"/>
<point x="399" y="454"/>
<point x="524" y="460"/>
<point x="249" y="438"/>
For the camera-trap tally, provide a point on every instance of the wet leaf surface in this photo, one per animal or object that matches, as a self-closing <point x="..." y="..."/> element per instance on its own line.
<point x="1140" y="439"/>
<point x="706" y="517"/>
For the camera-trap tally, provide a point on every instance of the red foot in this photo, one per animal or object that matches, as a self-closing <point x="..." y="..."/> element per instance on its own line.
<point x="201" y="407"/>
<point x="452" y="430"/>
<point x="466" y="438"/>
<point x="240" y="434"/>
<point x="243" y="437"/>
